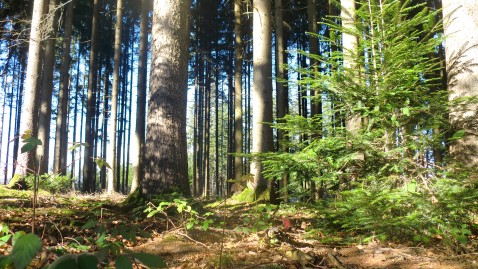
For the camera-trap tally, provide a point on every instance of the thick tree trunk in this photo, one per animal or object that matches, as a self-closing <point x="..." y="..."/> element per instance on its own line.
<point x="166" y="163"/>
<point x="262" y="93"/>
<point x="238" y="144"/>
<point x="88" y="177"/>
<point x="141" y="98"/>
<point x="47" y="88"/>
<point x="461" y="30"/>
<point x="29" y="121"/>
<point x="61" y="141"/>
<point x="111" y="149"/>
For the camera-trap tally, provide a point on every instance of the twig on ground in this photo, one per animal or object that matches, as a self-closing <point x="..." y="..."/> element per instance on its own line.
<point x="195" y="241"/>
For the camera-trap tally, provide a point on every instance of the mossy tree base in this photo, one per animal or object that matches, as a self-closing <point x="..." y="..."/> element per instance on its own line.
<point x="18" y="183"/>
<point x="251" y="195"/>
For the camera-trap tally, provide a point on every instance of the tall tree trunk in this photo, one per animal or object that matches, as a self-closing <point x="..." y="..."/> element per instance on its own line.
<point x="111" y="151"/>
<point x="61" y="141"/>
<point x="141" y="98"/>
<point x="462" y="68"/>
<point x="88" y="177"/>
<point x="75" y="117"/>
<point x="18" y="113"/>
<point x="282" y="95"/>
<point x="10" y="121"/>
<point x="216" y="142"/>
<point x="195" y="138"/>
<point x="262" y="93"/>
<point x="316" y="105"/>
<point x="238" y="90"/>
<point x="29" y="120"/>
<point x="47" y="88"/>
<point x="349" y="45"/>
<point x="207" y="128"/>
<point x="104" y="137"/>
<point x="166" y="162"/>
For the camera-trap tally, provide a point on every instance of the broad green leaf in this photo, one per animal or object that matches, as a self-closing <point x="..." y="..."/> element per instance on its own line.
<point x="27" y="148"/>
<point x="87" y="261"/>
<point x="6" y="262"/>
<point x="16" y="236"/>
<point x="65" y="262"/>
<point x="150" y="260"/>
<point x="4" y="239"/>
<point x="90" y="224"/>
<point x="152" y="213"/>
<point x="459" y="134"/>
<point x="4" y="228"/>
<point x="101" y="162"/>
<point x="406" y="111"/>
<point x="30" y="144"/>
<point x="25" y="249"/>
<point x="77" y="145"/>
<point x="189" y="225"/>
<point x="123" y="262"/>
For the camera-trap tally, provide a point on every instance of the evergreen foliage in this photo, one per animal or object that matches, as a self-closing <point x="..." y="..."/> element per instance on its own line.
<point x="387" y="178"/>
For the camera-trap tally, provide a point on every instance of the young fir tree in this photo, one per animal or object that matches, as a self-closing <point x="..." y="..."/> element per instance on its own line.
<point x="382" y="172"/>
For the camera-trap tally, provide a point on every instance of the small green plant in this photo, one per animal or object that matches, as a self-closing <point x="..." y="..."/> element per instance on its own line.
<point x="25" y="248"/>
<point x="258" y="220"/>
<point x="188" y="217"/>
<point x="107" y="247"/>
<point x="51" y="182"/>
<point x="5" y="234"/>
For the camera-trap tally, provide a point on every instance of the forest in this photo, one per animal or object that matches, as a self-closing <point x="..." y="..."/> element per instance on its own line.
<point x="238" y="134"/>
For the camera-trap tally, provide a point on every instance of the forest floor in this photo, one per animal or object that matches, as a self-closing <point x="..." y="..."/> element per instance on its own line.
<point x="233" y="235"/>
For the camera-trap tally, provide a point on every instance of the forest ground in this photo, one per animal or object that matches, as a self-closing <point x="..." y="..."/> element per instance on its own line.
<point x="241" y="235"/>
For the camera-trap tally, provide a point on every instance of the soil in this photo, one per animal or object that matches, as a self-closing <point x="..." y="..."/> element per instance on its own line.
<point x="61" y="222"/>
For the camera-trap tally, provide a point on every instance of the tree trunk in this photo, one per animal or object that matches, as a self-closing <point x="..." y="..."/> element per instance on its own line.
<point x="166" y="163"/>
<point x="61" y="141"/>
<point x="26" y="161"/>
<point x="141" y="98"/>
<point x="47" y="88"/>
<point x="349" y="45"/>
<point x="262" y="93"/>
<point x="282" y="93"/>
<point x="316" y="105"/>
<point x="75" y="117"/>
<point x="18" y="113"/>
<point x="238" y="144"/>
<point x="111" y="151"/>
<point x="88" y="176"/>
<point x="461" y="28"/>
<point x="104" y="127"/>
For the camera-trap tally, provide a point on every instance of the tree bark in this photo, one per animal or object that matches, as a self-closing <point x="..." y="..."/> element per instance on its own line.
<point x="461" y="50"/>
<point x="282" y="93"/>
<point x="61" y="141"/>
<point x="238" y="144"/>
<point x="26" y="161"/>
<point x="47" y="87"/>
<point x="349" y="45"/>
<point x="166" y="163"/>
<point x="111" y="151"/>
<point x="262" y="92"/>
<point x="88" y="176"/>
<point x="141" y="98"/>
